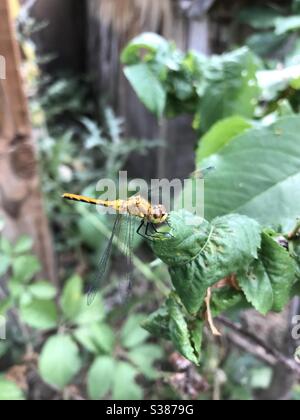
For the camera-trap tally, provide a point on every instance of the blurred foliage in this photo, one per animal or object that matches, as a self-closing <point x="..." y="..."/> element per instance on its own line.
<point x="75" y="339"/>
<point x="275" y="29"/>
<point x="245" y="111"/>
<point x="170" y="82"/>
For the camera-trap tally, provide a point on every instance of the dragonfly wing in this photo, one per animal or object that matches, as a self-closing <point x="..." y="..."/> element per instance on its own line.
<point x="127" y="244"/>
<point x="102" y="268"/>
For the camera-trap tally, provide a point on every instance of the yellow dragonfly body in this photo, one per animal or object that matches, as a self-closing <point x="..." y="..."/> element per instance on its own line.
<point x="135" y="206"/>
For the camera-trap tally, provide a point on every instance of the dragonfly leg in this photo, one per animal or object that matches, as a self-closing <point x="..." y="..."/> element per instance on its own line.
<point x="143" y="235"/>
<point x="147" y="230"/>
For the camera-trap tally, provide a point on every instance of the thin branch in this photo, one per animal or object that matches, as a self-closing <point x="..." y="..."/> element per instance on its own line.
<point x="247" y="335"/>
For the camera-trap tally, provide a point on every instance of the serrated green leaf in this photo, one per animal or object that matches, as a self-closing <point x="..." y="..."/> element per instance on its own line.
<point x="221" y="134"/>
<point x="124" y="386"/>
<point x="179" y="332"/>
<point x="143" y="358"/>
<point x="9" y="391"/>
<point x="39" y="314"/>
<point x="132" y="333"/>
<point x="59" y="361"/>
<point x="257" y="287"/>
<point x="42" y="290"/>
<point x="196" y="333"/>
<point x="281" y="270"/>
<point x="71" y="299"/>
<point x="100" y="377"/>
<point x="258" y="170"/>
<point x="199" y="257"/>
<point x="147" y="87"/>
<point x="158" y="323"/>
<point x="268" y="284"/>
<point x="25" y="267"/>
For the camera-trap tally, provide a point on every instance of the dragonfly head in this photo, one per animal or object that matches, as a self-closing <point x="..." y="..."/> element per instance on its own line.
<point x="158" y="214"/>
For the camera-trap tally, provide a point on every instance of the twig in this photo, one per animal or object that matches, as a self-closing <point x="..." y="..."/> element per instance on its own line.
<point x="270" y="351"/>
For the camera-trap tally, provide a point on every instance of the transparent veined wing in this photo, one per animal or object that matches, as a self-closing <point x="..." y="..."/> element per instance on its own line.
<point x="127" y="242"/>
<point x="102" y="267"/>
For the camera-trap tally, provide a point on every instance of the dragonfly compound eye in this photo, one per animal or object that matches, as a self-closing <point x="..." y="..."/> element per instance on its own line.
<point x="159" y="214"/>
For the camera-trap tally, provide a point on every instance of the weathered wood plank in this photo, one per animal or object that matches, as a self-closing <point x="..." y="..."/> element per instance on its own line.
<point x="20" y="197"/>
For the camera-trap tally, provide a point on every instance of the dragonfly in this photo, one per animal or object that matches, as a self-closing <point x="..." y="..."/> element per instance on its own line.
<point x="150" y="216"/>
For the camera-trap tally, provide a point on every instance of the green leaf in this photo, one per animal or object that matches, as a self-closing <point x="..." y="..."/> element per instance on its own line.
<point x="89" y="314"/>
<point x="9" y="391"/>
<point x="257" y="287"/>
<point x="124" y="386"/>
<point x="39" y="314"/>
<point x="103" y="337"/>
<point x="179" y="331"/>
<point x="220" y="135"/>
<point x="84" y="337"/>
<point x="5" y="305"/>
<point x="196" y="328"/>
<point x="232" y="87"/>
<point x="265" y="43"/>
<point x="147" y="87"/>
<point x="59" y="361"/>
<point x="96" y="338"/>
<point x="16" y="289"/>
<point x="224" y="299"/>
<point x="4" y="264"/>
<point x="287" y="24"/>
<point x="147" y="41"/>
<point x="259" y="17"/>
<point x="100" y="377"/>
<point x="71" y="300"/>
<point x="143" y="358"/>
<point x="132" y="333"/>
<point x="199" y="255"/>
<point x="158" y="323"/>
<point x="268" y="284"/>
<point x="258" y="170"/>
<point x="5" y="246"/>
<point x="42" y="290"/>
<point x="24" y="244"/>
<point x="281" y="270"/>
<point x="25" y="267"/>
